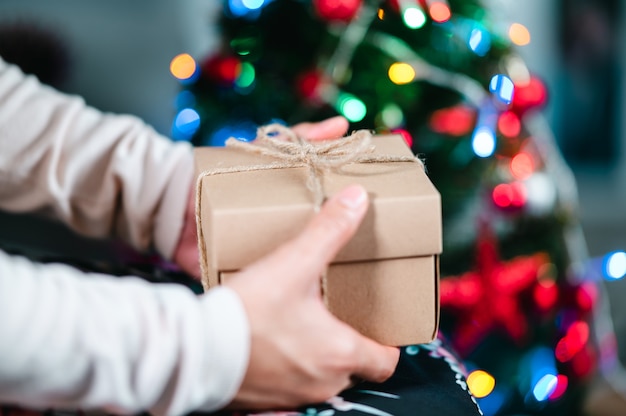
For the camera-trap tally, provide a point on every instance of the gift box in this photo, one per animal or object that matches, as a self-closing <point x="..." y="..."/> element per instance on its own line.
<point x="384" y="282"/>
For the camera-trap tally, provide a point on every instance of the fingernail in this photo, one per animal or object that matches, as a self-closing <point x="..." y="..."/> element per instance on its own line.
<point x="353" y="197"/>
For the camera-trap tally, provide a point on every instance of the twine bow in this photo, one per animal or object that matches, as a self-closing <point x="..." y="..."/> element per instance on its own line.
<point x="289" y="151"/>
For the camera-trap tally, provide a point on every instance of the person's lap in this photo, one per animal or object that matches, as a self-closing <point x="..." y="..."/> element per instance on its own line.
<point x="429" y="380"/>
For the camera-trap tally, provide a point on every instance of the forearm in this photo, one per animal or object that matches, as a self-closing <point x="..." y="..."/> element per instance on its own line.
<point x="118" y="344"/>
<point x="102" y="174"/>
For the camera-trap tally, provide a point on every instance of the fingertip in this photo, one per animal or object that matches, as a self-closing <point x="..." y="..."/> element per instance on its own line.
<point x="378" y="362"/>
<point x="353" y="197"/>
<point x="341" y="123"/>
<point x="328" y="129"/>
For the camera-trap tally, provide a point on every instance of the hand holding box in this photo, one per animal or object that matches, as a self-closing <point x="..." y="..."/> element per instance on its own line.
<point x="384" y="282"/>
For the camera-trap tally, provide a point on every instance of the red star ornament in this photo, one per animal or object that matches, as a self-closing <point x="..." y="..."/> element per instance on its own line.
<point x="488" y="298"/>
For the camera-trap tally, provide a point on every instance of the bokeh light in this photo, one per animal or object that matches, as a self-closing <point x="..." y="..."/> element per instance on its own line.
<point x="545" y="387"/>
<point x="502" y="88"/>
<point x="538" y="373"/>
<point x="519" y="34"/>
<point x="545" y="294"/>
<point x="573" y="342"/>
<point x="542" y="193"/>
<point x="401" y="73"/>
<point x="480" y="383"/>
<point x="246" y="76"/>
<point x="253" y="4"/>
<point x="586" y="296"/>
<point x="183" y="66"/>
<point x="351" y="107"/>
<point x="440" y="12"/>
<point x="242" y="130"/>
<point x="414" y="18"/>
<point x="479" y="41"/>
<point x="522" y="166"/>
<point x="454" y="121"/>
<point x="509" y="124"/>
<point x="186" y="123"/>
<point x="484" y="142"/>
<point x="392" y="116"/>
<point x="228" y="69"/>
<point x="246" y="8"/>
<point x="509" y="195"/>
<point x="615" y="265"/>
<point x="583" y="363"/>
<point x="561" y="386"/>
<point x="531" y="94"/>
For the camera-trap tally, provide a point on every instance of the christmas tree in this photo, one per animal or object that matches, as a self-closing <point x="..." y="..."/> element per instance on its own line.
<point x="446" y="77"/>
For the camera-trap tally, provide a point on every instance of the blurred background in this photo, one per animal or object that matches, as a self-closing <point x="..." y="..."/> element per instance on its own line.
<point x="117" y="54"/>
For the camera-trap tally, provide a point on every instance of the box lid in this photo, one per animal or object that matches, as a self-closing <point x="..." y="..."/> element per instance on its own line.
<point x="246" y="214"/>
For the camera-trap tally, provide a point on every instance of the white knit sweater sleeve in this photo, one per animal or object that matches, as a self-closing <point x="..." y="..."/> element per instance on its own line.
<point x="118" y="344"/>
<point x="102" y="174"/>
<point x="71" y="340"/>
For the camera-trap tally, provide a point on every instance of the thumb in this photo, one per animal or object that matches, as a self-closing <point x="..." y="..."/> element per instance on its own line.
<point x="331" y="229"/>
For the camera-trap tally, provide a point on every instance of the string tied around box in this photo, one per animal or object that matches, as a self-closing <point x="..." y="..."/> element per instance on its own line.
<point x="288" y="150"/>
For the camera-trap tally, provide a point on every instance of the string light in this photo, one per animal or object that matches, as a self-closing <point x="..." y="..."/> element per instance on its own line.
<point x="401" y="73"/>
<point x="484" y="142"/>
<point x="454" y="121"/>
<point x="522" y="166"/>
<point x="545" y="294"/>
<point x="537" y="373"/>
<point x="246" y="76"/>
<point x="542" y="193"/>
<point x="246" y="8"/>
<point x="561" y="386"/>
<point x="545" y="387"/>
<point x="253" y="4"/>
<point x="615" y="265"/>
<point x="185" y="124"/>
<point x="183" y="66"/>
<point x="509" y="195"/>
<point x="479" y="40"/>
<point x="583" y="363"/>
<point x="392" y="116"/>
<point x="413" y="17"/>
<point x="244" y="131"/>
<point x="351" y="107"/>
<point x="439" y="12"/>
<point x="573" y="342"/>
<point x="502" y="88"/>
<point x="519" y="34"/>
<point x="480" y="383"/>
<point x="509" y="124"/>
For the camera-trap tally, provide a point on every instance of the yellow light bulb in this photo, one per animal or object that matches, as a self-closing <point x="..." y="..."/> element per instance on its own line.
<point x="480" y="383"/>
<point x="519" y="34"/>
<point x="183" y="66"/>
<point x="401" y="73"/>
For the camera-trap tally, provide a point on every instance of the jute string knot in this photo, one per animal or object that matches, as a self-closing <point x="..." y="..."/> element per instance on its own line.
<point x="283" y="144"/>
<point x="288" y="150"/>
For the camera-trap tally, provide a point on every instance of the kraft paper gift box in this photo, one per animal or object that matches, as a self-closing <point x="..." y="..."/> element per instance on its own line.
<point x="384" y="282"/>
